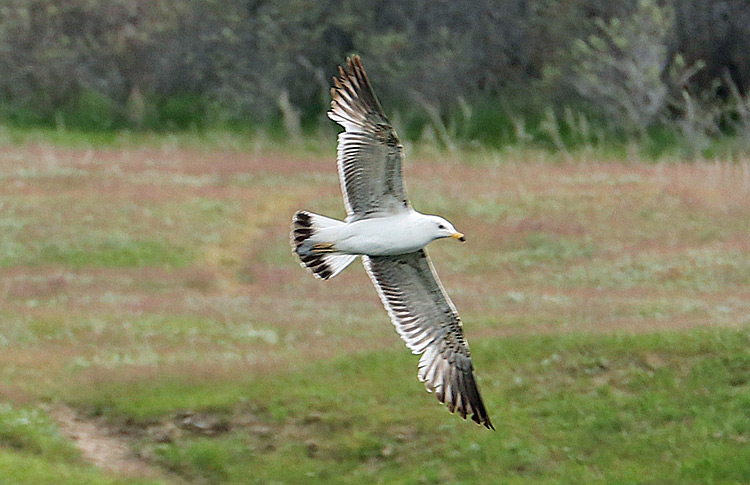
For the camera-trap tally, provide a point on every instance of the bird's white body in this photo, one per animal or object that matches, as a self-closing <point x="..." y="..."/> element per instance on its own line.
<point x="386" y="235"/>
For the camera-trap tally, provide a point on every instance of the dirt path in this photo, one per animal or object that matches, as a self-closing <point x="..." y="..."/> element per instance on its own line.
<point x="101" y="446"/>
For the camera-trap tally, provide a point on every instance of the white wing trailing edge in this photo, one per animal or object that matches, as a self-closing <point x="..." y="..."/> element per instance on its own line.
<point x="427" y="321"/>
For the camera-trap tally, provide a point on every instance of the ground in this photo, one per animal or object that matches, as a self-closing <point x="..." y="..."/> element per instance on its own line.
<point x="155" y="326"/>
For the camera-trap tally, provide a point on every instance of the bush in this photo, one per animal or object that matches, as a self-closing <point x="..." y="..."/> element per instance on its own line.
<point x="90" y="111"/>
<point x="494" y="72"/>
<point x="619" y="68"/>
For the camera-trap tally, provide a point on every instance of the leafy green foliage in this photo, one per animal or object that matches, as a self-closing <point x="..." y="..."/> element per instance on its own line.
<point x="180" y="112"/>
<point x="90" y="111"/>
<point x="619" y="69"/>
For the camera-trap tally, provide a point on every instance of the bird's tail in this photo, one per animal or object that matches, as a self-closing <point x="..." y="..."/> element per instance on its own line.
<point x="317" y="256"/>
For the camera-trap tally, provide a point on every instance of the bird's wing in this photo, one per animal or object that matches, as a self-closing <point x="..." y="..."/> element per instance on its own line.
<point x="369" y="153"/>
<point x="428" y="322"/>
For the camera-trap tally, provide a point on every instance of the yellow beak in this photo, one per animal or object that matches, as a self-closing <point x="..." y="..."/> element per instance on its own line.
<point x="459" y="236"/>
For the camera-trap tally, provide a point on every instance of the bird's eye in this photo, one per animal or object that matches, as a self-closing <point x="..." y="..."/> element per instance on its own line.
<point x="440" y="226"/>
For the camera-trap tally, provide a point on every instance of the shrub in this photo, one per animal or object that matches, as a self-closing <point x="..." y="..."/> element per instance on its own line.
<point x="619" y="68"/>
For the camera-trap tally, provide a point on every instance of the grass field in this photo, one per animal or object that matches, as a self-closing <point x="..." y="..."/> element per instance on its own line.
<point x="155" y="328"/>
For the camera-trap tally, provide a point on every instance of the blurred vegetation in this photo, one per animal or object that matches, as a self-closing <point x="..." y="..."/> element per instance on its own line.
<point x="663" y="73"/>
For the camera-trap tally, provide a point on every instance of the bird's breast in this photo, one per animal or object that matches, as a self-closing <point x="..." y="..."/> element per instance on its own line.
<point x="381" y="237"/>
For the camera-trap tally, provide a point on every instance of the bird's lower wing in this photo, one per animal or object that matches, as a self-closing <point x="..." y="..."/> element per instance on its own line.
<point x="427" y="321"/>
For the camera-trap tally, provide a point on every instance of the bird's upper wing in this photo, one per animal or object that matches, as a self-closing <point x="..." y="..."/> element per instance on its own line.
<point x="369" y="153"/>
<point x="428" y="322"/>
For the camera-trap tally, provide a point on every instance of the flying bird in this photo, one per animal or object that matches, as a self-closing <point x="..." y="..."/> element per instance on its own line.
<point x="382" y="227"/>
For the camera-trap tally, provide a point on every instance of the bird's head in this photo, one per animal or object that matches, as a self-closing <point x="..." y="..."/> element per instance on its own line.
<point x="442" y="228"/>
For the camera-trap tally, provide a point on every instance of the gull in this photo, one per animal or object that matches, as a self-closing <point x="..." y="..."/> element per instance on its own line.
<point x="390" y="236"/>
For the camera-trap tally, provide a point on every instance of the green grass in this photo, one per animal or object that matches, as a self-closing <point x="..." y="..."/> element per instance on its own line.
<point x="116" y="253"/>
<point x="32" y="431"/>
<point x="488" y="132"/>
<point x="147" y="284"/>
<point x="22" y="468"/>
<point x="621" y="408"/>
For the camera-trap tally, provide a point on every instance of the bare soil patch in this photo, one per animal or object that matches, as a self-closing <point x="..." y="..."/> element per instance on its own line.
<point x="102" y="445"/>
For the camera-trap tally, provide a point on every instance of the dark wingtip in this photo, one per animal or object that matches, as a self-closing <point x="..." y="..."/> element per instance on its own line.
<point x="353" y="81"/>
<point x="480" y="415"/>
<point x="487" y="423"/>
